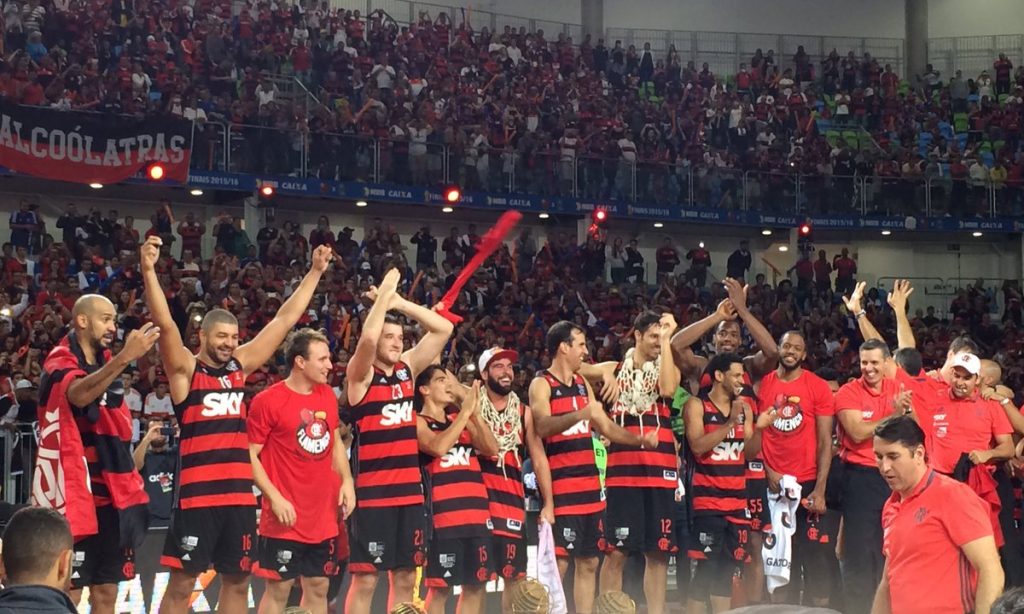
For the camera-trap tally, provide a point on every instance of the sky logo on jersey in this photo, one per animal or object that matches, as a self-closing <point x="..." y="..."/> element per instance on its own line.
<point x="394" y="414"/>
<point x="220" y="404"/>
<point x="727" y="451"/>
<point x="456" y="457"/>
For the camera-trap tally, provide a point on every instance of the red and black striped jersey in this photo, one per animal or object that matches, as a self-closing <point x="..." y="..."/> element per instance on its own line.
<point x="215" y="468"/>
<point x="458" y="498"/>
<point x="632" y="467"/>
<point x="718" y="484"/>
<point x="385" y="451"/>
<point x="504" y="484"/>
<point x="575" y="482"/>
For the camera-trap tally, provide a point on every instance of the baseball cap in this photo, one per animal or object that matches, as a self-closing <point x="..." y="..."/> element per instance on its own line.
<point x="23" y="384"/>
<point x="967" y="361"/>
<point x="493" y="354"/>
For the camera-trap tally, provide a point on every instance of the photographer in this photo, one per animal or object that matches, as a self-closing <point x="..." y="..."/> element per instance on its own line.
<point x="155" y="458"/>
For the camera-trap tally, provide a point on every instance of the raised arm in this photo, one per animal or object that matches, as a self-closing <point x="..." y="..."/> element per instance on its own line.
<point x="430" y="346"/>
<point x="767" y="357"/>
<point x="602" y="373"/>
<point x="255" y="353"/>
<point x="177" y="360"/>
<point x="360" y="366"/>
<point x="901" y="291"/>
<point x="854" y="305"/>
<point x="668" y="376"/>
<point x="681" y="343"/>
<point x="439" y="444"/>
<point x="85" y="390"/>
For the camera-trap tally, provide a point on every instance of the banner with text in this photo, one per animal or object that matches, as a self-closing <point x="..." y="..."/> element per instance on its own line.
<point x="91" y="147"/>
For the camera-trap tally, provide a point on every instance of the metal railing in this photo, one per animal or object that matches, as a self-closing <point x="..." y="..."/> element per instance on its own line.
<point x="273" y="150"/>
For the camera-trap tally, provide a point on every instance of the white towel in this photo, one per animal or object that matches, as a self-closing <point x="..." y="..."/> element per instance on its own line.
<point x="777" y="551"/>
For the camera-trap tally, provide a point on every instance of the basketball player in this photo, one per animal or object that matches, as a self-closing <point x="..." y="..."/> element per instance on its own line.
<point x="82" y="406"/>
<point x="297" y="459"/>
<point x="389" y="525"/>
<point x="640" y="484"/>
<point x="460" y="544"/>
<point x="511" y="422"/>
<point x="563" y="410"/>
<point x="214" y="520"/>
<point x="722" y="434"/>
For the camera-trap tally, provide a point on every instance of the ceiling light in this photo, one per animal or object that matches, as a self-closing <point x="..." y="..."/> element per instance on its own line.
<point x="767" y="232"/>
<point x="886" y="233"/>
<point x="783" y="248"/>
<point x="195" y="192"/>
<point x="361" y="203"/>
<point x="544" y="216"/>
<point x="659" y="225"/>
<point x="447" y="210"/>
<point x="976" y="233"/>
<point x="96" y="186"/>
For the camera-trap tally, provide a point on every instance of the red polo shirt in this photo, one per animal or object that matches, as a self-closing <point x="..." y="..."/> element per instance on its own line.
<point x="924" y="398"/>
<point x="874" y="407"/>
<point x="963" y="425"/>
<point x="923" y="537"/>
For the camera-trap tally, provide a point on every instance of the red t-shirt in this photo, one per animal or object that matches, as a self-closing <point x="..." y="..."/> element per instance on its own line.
<point x="845" y="267"/>
<point x="923" y="535"/>
<point x="297" y="434"/>
<point x="924" y="398"/>
<point x="874" y="407"/>
<point x="790" y="444"/>
<point x="963" y="425"/>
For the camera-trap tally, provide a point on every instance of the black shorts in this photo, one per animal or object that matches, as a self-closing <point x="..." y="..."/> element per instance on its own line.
<point x="641" y="520"/>
<point x="814" y="546"/>
<point x="757" y="497"/>
<point x="579" y="536"/>
<point x="282" y="559"/>
<point x="509" y="555"/>
<point x="459" y="562"/>
<point x="385" y="538"/>
<point x="719" y="547"/>
<point x="99" y="559"/>
<point x="222" y="537"/>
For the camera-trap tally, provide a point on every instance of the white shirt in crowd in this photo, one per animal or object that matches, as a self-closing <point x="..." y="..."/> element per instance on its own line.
<point x="158" y="407"/>
<point x="385" y="76"/>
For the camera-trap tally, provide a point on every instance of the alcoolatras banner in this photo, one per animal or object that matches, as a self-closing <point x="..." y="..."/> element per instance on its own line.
<point x="91" y="147"/>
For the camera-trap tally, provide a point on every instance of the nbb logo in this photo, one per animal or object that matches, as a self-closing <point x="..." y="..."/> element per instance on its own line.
<point x="220" y="404"/>
<point x="394" y="414"/>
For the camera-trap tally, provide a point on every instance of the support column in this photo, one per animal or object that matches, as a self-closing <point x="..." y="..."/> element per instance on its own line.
<point x="253" y="216"/>
<point x="592" y="18"/>
<point x="916" y="35"/>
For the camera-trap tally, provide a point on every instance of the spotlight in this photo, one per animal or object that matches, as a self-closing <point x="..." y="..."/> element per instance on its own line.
<point x="267" y="191"/>
<point x="452" y="194"/>
<point x="155" y="172"/>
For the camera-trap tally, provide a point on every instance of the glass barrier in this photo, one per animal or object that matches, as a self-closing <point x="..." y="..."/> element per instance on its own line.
<point x="342" y="157"/>
<point x="1009" y="198"/>
<point x="959" y="197"/>
<point x="264" y="150"/>
<point x="209" y="147"/>
<point x="542" y="173"/>
<point x="769" y="192"/>
<point x="409" y="163"/>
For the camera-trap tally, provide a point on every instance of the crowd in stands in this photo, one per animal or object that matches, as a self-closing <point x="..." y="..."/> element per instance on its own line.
<point x="530" y="283"/>
<point x="522" y="110"/>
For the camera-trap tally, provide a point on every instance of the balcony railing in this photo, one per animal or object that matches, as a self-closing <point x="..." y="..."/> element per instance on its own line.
<point x="276" y="151"/>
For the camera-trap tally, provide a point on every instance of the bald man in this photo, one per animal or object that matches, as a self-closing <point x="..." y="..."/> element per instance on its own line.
<point x="82" y="414"/>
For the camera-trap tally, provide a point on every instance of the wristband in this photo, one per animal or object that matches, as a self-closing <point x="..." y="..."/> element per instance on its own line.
<point x="860" y="314"/>
<point x="1004" y="402"/>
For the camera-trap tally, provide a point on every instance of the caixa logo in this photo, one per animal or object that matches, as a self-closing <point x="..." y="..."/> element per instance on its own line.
<point x="219" y="404"/>
<point x="394" y="414"/>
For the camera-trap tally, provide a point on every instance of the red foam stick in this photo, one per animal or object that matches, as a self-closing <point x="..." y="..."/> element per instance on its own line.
<point x="488" y="245"/>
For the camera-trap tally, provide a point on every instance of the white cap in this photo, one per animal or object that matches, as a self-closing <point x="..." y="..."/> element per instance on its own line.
<point x="492" y="354"/>
<point x="23" y="384"/>
<point x="967" y="361"/>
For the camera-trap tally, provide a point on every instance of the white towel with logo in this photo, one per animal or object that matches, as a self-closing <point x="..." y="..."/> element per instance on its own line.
<point x="777" y="551"/>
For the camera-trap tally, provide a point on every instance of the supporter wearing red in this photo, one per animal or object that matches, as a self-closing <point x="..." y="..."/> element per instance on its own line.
<point x="564" y="410"/>
<point x="389" y="525"/>
<point x="940" y="553"/>
<point x="860" y="405"/>
<point x="460" y="544"/>
<point x="967" y="425"/>
<point x="298" y="460"/>
<point x="640" y="484"/>
<point x="845" y="268"/>
<point x="82" y="416"/>
<point x="799" y="443"/>
<point x="511" y="423"/>
<point x="722" y="435"/>
<point x="214" y="520"/>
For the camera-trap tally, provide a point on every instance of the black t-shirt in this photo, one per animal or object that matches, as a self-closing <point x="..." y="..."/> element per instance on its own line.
<point x="158" y="475"/>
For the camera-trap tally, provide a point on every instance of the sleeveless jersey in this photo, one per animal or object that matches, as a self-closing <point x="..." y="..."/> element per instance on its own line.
<point x="504" y="484"/>
<point x="458" y="498"/>
<point x="575" y="482"/>
<point x="215" y="467"/>
<point x="630" y="466"/>
<point x="755" y="466"/>
<point x="387" y="467"/>
<point x="718" y="484"/>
